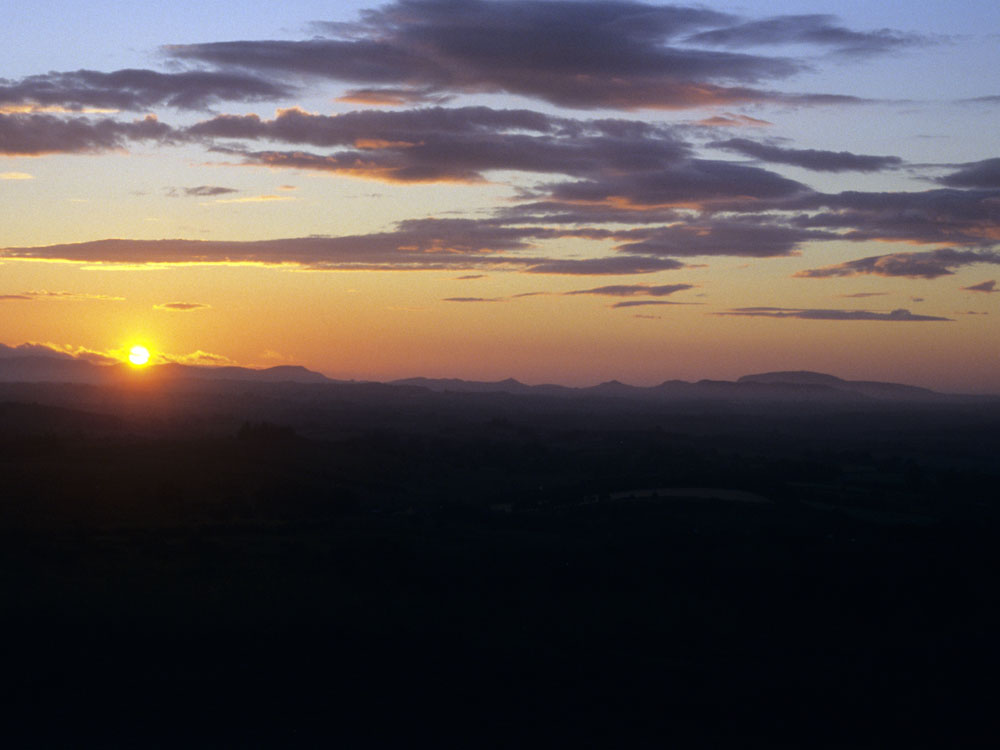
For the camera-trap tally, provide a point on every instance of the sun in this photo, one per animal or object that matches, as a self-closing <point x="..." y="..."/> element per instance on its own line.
<point x="138" y="356"/>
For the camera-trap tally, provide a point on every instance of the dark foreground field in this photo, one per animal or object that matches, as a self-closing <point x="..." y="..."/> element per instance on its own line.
<point x="278" y="568"/>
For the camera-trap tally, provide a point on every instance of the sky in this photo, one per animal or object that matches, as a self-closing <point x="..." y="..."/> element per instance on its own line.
<point x="552" y="190"/>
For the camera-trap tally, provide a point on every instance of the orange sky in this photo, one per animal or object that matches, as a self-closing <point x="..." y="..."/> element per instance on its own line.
<point x="739" y="196"/>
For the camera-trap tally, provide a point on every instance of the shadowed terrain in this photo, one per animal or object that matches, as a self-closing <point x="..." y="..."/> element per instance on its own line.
<point x="289" y="561"/>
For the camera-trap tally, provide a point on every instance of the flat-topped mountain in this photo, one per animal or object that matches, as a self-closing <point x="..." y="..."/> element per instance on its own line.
<point x="870" y="388"/>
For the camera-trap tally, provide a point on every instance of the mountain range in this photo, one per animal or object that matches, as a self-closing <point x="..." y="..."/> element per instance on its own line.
<point x="32" y="366"/>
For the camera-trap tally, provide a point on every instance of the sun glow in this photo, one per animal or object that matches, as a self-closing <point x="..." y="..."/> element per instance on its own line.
<point x="138" y="356"/>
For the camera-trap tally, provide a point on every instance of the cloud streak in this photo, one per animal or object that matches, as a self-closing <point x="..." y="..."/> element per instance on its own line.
<point x="816" y="160"/>
<point x="181" y="306"/>
<point x="926" y="265"/>
<point x="632" y="290"/>
<point x="136" y="90"/>
<point x="895" y="316"/>
<point x="986" y="287"/>
<point x="818" y="30"/>
<point x="45" y="294"/>
<point x="647" y="302"/>
<point x="200" y="191"/>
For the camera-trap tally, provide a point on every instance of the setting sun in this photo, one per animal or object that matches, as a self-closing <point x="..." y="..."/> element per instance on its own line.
<point x="138" y="356"/>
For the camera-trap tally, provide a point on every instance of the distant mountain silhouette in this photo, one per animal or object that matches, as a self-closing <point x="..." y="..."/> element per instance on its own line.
<point x="279" y="374"/>
<point x="44" y="369"/>
<point x="29" y="365"/>
<point x="864" y="387"/>
<point x="772" y="386"/>
<point x="442" y="385"/>
<point x="41" y="368"/>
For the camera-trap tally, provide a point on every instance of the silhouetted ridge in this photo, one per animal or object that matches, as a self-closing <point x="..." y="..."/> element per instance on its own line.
<point x="783" y="386"/>
<point x="279" y="374"/>
<point x="798" y="377"/>
<point x="45" y="369"/>
<point x="867" y="388"/>
<point x="441" y="385"/>
<point x="37" y="368"/>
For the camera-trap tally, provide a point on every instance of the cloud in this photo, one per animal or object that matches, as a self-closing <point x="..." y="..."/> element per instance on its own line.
<point x="693" y="182"/>
<point x="819" y="161"/>
<point x="895" y="316"/>
<point x="59" y="295"/>
<point x="38" y="134"/>
<point x="949" y="216"/>
<point x="416" y="244"/>
<point x="645" y="302"/>
<point x="57" y="352"/>
<point x="814" y="29"/>
<point x="181" y="306"/>
<point x="137" y="90"/>
<point x="730" y="120"/>
<point x="603" y="53"/>
<point x="32" y="350"/>
<point x="446" y="145"/>
<point x="924" y="265"/>
<point x="861" y="295"/>
<point x="631" y="290"/>
<point x="474" y="299"/>
<point x="198" y="358"/>
<point x="470" y="277"/>
<point x="992" y="99"/>
<point x="722" y="237"/>
<point x="16" y="176"/>
<point x="390" y="97"/>
<point x="201" y="191"/>
<point x="609" y="266"/>
<point x="255" y="199"/>
<point x="978" y="174"/>
<point x="989" y="287"/>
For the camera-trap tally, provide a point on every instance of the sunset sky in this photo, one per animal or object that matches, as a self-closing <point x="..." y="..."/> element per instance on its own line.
<point x="553" y="191"/>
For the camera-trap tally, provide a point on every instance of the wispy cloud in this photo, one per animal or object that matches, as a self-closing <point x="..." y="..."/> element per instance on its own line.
<point x="199" y="358"/>
<point x="181" y="306"/>
<point x="988" y="287"/>
<point x="256" y="199"/>
<point x="200" y="191"/>
<point x="819" y="30"/>
<point x="633" y="290"/>
<point x="647" y="302"/>
<point x="730" y="120"/>
<point x="45" y="294"/>
<point x="894" y="316"/>
<point x="136" y="90"/>
<point x="817" y="160"/>
<point x="925" y="265"/>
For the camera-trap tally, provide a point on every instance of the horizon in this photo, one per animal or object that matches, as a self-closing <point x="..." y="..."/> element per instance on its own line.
<point x="44" y="351"/>
<point x="554" y="192"/>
